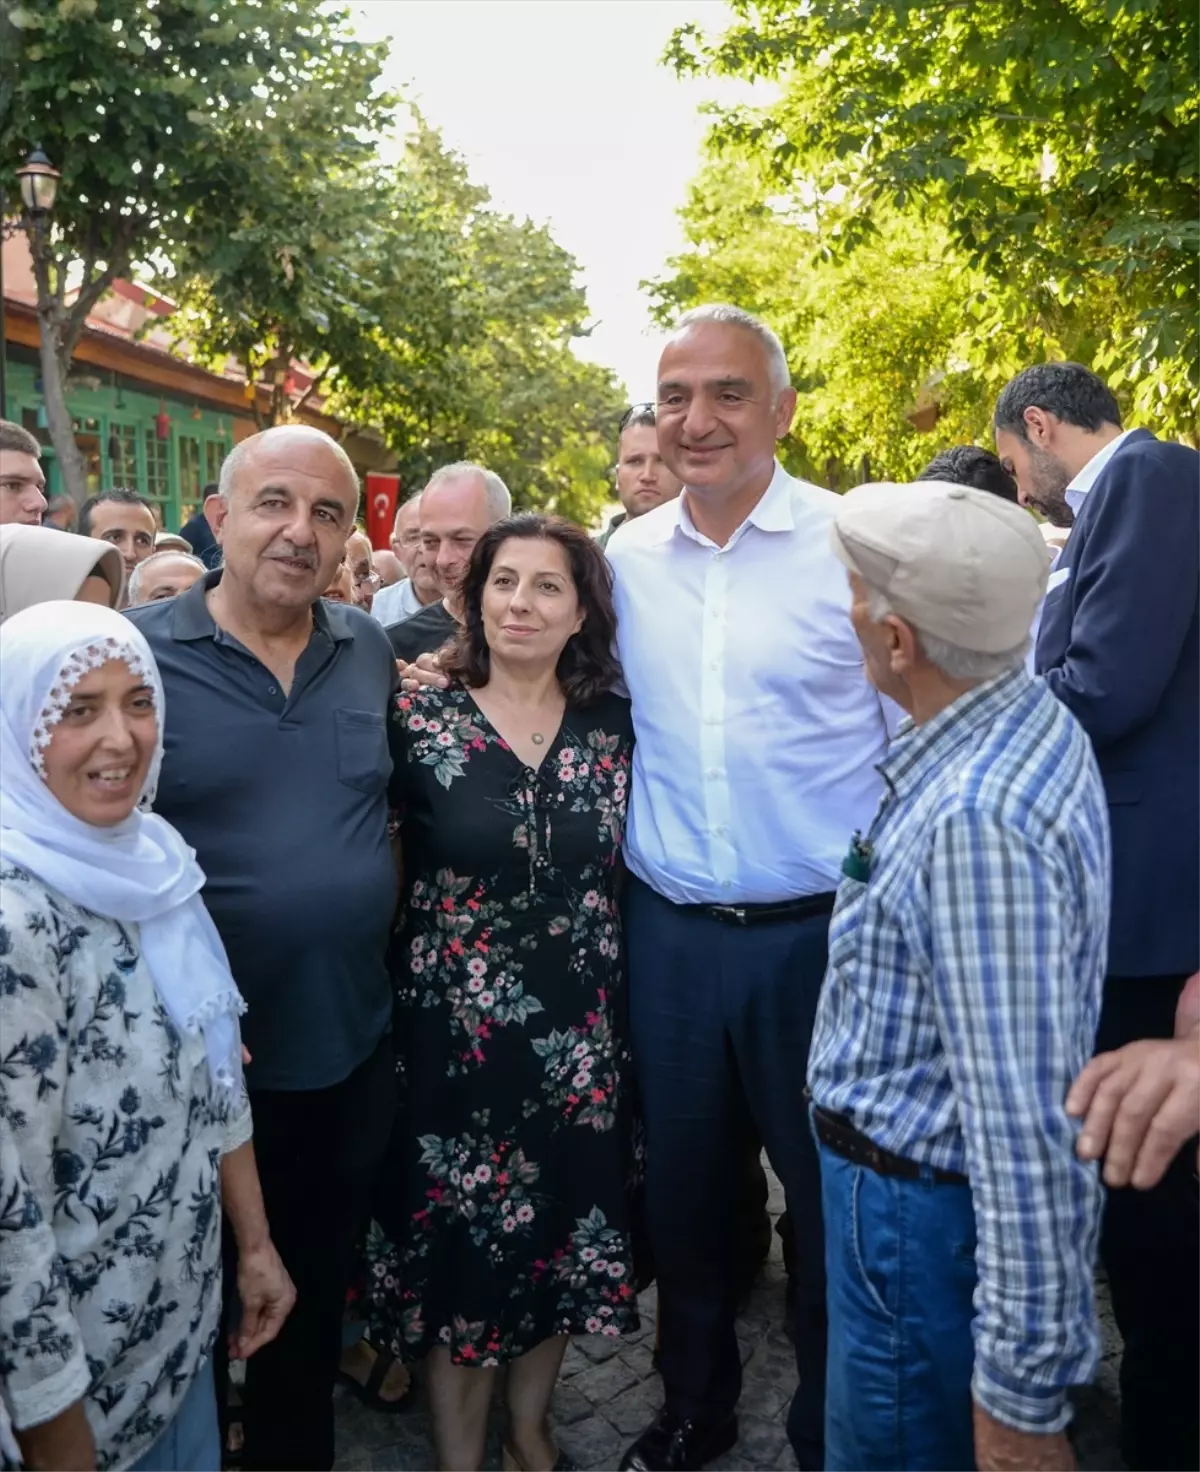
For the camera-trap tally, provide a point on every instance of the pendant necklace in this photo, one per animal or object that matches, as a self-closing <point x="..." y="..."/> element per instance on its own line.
<point x="537" y="738"/>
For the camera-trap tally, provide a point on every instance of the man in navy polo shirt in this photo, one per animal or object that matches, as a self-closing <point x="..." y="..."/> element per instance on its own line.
<point x="276" y="771"/>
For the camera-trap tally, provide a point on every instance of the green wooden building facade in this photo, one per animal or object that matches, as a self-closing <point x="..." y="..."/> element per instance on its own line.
<point x="123" y="435"/>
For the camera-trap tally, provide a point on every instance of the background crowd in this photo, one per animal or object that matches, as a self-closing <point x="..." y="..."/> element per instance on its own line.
<point x="453" y="926"/>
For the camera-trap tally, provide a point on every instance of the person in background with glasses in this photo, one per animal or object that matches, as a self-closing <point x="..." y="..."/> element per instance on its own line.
<point x="643" y="480"/>
<point x="365" y="580"/>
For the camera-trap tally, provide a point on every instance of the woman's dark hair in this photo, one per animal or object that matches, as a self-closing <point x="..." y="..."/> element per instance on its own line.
<point x="587" y="667"/>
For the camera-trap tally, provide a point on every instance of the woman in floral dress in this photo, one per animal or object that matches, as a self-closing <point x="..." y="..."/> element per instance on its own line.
<point x="506" y="1202"/>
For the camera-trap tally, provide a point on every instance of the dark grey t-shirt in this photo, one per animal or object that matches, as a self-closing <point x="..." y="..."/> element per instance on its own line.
<point x="285" y="800"/>
<point x="424" y="633"/>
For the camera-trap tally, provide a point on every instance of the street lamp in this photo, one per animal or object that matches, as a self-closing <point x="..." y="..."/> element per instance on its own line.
<point x="39" y="183"/>
<point x="38" y="179"/>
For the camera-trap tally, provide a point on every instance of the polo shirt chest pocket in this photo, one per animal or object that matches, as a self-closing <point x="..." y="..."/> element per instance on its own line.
<point x="363" y="761"/>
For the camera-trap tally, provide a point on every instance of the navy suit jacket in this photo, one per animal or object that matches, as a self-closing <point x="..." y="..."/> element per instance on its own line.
<point x="1120" y="646"/>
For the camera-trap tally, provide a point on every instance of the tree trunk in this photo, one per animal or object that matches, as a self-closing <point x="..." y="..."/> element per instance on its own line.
<point x="55" y="362"/>
<point x="58" y="416"/>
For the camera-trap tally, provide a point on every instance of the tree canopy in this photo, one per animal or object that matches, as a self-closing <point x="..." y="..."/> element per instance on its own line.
<point x="938" y="194"/>
<point x="235" y="148"/>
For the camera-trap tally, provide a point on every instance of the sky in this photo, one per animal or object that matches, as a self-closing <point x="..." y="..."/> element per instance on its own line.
<point x="563" y="110"/>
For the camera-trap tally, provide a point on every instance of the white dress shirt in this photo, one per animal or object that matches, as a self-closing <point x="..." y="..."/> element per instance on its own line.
<point x="1090" y="474"/>
<point x="757" y="732"/>
<point x="396" y="603"/>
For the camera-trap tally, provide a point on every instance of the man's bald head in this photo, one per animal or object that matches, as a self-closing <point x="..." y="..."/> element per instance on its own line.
<point x="286" y="504"/>
<point x="300" y="441"/>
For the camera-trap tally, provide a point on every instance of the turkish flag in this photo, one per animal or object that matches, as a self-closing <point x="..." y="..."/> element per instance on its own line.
<point x="382" y="494"/>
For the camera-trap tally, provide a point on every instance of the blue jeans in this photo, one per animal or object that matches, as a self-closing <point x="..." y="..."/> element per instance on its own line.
<point x="900" y="1264"/>
<point x="192" y="1442"/>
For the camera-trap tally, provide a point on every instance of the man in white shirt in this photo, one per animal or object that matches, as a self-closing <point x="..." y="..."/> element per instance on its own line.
<point x="757" y="739"/>
<point x="416" y="588"/>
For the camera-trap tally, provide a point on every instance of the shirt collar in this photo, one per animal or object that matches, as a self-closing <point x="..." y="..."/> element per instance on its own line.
<point x="1088" y="476"/>
<point x="918" y="750"/>
<point x="772" y="513"/>
<point x="190" y="618"/>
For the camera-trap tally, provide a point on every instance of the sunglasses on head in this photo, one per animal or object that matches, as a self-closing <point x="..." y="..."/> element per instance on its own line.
<point x="633" y="411"/>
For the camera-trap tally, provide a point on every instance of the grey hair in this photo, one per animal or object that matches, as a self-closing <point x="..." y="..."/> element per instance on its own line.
<point x="496" y="493"/>
<point x="413" y="500"/>
<point x="777" y="364"/>
<point x="245" y="448"/>
<point x="137" y="576"/>
<point x="955" y="662"/>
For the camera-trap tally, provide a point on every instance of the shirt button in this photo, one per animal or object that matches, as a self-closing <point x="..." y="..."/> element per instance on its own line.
<point x="726" y="884"/>
<point x="271" y="690"/>
<point x="713" y="773"/>
<point x="714" y="664"/>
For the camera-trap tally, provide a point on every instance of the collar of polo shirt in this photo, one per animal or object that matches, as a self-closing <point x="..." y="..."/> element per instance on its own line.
<point x="190" y="618"/>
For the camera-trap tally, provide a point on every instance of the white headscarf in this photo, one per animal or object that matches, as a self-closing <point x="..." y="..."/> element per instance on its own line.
<point x="138" y="872"/>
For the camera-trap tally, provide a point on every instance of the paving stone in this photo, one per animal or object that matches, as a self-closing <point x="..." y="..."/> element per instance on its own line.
<point x="633" y="1410"/>
<point x="640" y="1359"/>
<point x="764" y="1398"/>
<point x="573" y="1361"/>
<point x="608" y="1393"/>
<point x="598" y="1347"/>
<point x="761" y="1439"/>
<point x="592" y="1443"/>
<point x="569" y="1406"/>
<point x="602" y="1382"/>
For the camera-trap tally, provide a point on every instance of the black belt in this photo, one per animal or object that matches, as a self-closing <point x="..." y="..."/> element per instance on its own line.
<point x="836" y="1133"/>
<point x="801" y="909"/>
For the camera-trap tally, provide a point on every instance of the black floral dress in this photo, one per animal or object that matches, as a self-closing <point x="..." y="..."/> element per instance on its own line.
<point x="504" y="1215"/>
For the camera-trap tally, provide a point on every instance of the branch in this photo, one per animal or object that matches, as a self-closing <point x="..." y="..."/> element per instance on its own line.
<point x="76" y="319"/>
<point x="311" y="389"/>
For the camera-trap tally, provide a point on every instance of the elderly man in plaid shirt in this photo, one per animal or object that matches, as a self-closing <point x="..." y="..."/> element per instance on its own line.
<point x="966" y="956"/>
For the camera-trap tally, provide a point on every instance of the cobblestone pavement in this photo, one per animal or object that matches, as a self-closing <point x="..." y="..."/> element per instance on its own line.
<point x="608" y="1392"/>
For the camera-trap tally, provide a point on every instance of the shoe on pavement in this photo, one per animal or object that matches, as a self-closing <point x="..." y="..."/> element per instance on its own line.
<point x="670" y="1444"/>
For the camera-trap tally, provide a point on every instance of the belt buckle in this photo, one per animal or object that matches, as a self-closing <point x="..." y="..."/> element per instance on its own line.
<point x="735" y="914"/>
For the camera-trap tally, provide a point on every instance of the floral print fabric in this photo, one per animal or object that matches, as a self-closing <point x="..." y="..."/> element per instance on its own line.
<point x="504" y="1216"/>
<point x="111" y="1137"/>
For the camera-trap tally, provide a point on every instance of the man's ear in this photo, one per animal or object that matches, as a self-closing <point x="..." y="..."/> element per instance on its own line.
<point x="1039" y="426"/>
<point x="216" y="509"/>
<point x="903" y="650"/>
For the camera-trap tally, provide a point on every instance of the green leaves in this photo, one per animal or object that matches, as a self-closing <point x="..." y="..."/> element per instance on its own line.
<point x="233" y="145"/>
<point x="1040" y="157"/>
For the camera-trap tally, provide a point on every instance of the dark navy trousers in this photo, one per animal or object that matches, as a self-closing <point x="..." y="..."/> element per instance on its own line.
<point x="722" y="1019"/>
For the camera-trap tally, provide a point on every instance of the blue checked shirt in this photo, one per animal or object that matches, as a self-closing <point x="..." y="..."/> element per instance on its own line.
<point x="962" y="998"/>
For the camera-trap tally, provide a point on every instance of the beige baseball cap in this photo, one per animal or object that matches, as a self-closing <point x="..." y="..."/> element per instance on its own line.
<point x="961" y="564"/>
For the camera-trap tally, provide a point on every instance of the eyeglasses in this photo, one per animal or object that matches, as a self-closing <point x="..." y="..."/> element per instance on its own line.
<point x="633" y="411"/>
<point x="367" y="580"/>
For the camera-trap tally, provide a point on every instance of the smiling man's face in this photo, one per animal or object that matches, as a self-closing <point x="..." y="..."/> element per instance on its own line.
<point x="718" y="413"/>
<point x="283" y="529"/>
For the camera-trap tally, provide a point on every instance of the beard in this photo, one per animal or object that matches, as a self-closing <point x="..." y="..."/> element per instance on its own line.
<point x="1049" y="490"/>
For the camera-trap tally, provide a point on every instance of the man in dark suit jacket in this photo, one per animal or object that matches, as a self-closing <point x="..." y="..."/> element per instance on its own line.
<point x="1120" y="646"/>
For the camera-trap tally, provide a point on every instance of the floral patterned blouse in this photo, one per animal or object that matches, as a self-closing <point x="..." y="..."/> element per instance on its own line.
<point x="111" y="1138"/>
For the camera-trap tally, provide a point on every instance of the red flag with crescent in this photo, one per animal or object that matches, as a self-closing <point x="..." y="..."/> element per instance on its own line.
<point x="383" y="492"/>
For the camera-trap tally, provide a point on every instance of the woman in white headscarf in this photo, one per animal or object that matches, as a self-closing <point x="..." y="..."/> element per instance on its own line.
<point x="40" y="563"/>
<point x="123" y="1117"/>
